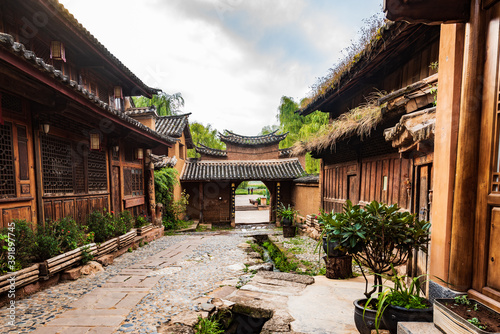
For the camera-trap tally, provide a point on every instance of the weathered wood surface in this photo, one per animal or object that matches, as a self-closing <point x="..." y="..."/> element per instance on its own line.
<point x="127" y="238"/>
<point x="63" y="261"/>
<point x="464" y="200"/>
<point x="22" y="277"/>
<point x="338" y="266"/>
<point x="144" y="229"/>
<point x="107" y="247"/>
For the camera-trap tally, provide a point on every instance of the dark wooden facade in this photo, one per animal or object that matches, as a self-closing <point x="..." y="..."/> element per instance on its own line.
<point x="393" y="163"/>
<point x="465" y="247"/>
<point x="51" y="107"/>
<point x="211" y="181"/>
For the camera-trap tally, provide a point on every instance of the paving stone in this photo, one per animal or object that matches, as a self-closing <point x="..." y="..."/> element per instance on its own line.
<point x="106" y="321"/>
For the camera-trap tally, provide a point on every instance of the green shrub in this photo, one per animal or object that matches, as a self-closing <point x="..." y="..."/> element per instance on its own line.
<point x="22" y="234"/>
<point x="71" y="234"/>
<point x="141" y="221"/>
<point x="47" y="244"/>
<point x="103" y="225"/>
<point x="127" y="219"/>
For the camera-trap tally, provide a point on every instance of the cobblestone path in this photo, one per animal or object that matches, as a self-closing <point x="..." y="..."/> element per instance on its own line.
<point x="138" y="292"/>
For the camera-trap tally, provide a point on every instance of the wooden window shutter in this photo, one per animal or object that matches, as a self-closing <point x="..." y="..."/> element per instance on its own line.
<point x="57" y="51"/>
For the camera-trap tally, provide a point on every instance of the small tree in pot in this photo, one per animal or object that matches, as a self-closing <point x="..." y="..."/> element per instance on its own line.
<point x="378" y="237"/>
<point x="286" y="214"/>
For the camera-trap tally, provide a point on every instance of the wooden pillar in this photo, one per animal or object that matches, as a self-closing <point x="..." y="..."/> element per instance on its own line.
<point x="464" y="203"/>
<point x="201" y="200"/>
<point x="233" y="204"/>
<point x="150" y="177"/>
<point x="486" y="161"/>
<point x="451" y="51"/>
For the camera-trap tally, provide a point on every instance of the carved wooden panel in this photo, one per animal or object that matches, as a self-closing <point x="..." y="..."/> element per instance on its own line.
<point x="9" y="215"/>
<point x="494" y="252"/>
<point x="82" y="210"/>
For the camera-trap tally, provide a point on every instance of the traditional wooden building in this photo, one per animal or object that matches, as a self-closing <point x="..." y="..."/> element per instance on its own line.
<point x="66" y="145"/>
<point x="174" y="126"/>
<point x="466" y="206"/>
<point x="212" y="179"/>
<point x="379" y="144"/>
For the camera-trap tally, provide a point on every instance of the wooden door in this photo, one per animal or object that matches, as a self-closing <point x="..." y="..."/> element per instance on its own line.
<point x="422" y="206"/>
<point x="115" y="189"/>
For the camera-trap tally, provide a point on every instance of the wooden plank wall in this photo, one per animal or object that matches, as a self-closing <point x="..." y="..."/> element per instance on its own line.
<point x="364" y="182"/>
<point x="77" y="207"/>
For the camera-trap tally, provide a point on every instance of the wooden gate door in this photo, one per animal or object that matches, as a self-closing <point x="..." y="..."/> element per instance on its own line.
<point x="115" y="189"/>
<point x="422" y="206"/>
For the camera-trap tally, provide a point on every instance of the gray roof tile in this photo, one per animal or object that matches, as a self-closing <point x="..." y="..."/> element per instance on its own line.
<point x="210" y="151"/>
<point x="234" y="138"/>
<point x="279" y="169"/>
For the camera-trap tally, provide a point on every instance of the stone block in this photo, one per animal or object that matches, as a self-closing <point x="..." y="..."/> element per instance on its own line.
<point x="91" y="268"/>
<point x="71" y="274"/>
<point x="105" y="260"/>
<point x="207" y="307"/>
<point x="32" y="288"/>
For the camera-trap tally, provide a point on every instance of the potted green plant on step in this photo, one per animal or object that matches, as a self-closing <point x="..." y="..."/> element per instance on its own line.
<point x="378" y="237"/>
<point x="287" y="216"/>
<point x="402" y="302"/>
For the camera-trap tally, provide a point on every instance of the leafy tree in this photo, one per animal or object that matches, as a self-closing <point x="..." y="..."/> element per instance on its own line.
<point x="205" y="135"/>
<point x="268" y="129"/>
<point x="166" y="104"/>
<point x="300" y="128"/>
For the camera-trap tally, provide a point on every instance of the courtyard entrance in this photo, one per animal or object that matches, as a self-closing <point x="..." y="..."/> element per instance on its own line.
<point x="252" y="203"/>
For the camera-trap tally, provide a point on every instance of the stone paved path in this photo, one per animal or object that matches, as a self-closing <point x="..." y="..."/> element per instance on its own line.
<point x="140" y="291"/>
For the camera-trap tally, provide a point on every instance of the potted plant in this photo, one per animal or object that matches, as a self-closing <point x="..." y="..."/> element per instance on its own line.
<point x="378" y="237"/>
<point x="287" y="216"/>
<point x="464" y="315"/>
<point x="328" y="238"/>
<point x="402" y="302"/>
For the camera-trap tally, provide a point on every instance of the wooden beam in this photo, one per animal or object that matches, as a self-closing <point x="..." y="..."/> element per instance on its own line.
<point x="464" y="201"/>
<point x="431" y="12"/>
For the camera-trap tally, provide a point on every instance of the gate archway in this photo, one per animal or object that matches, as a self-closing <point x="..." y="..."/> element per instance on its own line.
<point x="211" y="180"/>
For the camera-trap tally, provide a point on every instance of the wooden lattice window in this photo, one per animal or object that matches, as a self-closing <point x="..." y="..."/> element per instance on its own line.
<point x="11" y="103"/>
<point x="97" y="171"/>
<point x="57" y="167"/>
<point x="133" y="184"/>
<point x="7" y="171"/>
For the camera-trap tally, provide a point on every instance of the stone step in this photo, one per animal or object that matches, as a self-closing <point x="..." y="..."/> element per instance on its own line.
<point x="417" y="328"/>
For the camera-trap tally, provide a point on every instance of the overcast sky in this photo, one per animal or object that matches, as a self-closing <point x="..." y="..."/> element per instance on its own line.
<point x="232" y="60"/>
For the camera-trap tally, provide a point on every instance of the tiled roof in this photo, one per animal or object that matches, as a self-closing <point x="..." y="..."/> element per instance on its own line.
<point x="412" y="128"/>
<point x="172" y="125"/>
<point x="7" y="42"/>
<point x="280" y="169"/>
<point x="285" y="152"/>
<point x="210" y="151"/>
<point x="78" y="26"/>
<point x="314" y="178"/>
<point x="162" y="161"/>
<point x="234" y="138"/>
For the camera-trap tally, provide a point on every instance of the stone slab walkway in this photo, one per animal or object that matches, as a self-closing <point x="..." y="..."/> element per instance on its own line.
<point x="137" y="293"/>
<point x="106" y="307"/>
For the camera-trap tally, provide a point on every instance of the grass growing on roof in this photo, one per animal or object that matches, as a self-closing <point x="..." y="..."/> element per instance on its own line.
<point x="359" y="121"/>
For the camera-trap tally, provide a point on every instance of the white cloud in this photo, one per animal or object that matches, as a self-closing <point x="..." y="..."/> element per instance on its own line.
<point x="232" y="60"/>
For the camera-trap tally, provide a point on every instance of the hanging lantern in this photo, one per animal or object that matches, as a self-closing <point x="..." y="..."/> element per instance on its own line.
<point x="45" y="127"/>
<point x="118" y="92"/>
<point x="139" y="153"/>
<point x="95" y="141"/>
<point x="57" y="51"/>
